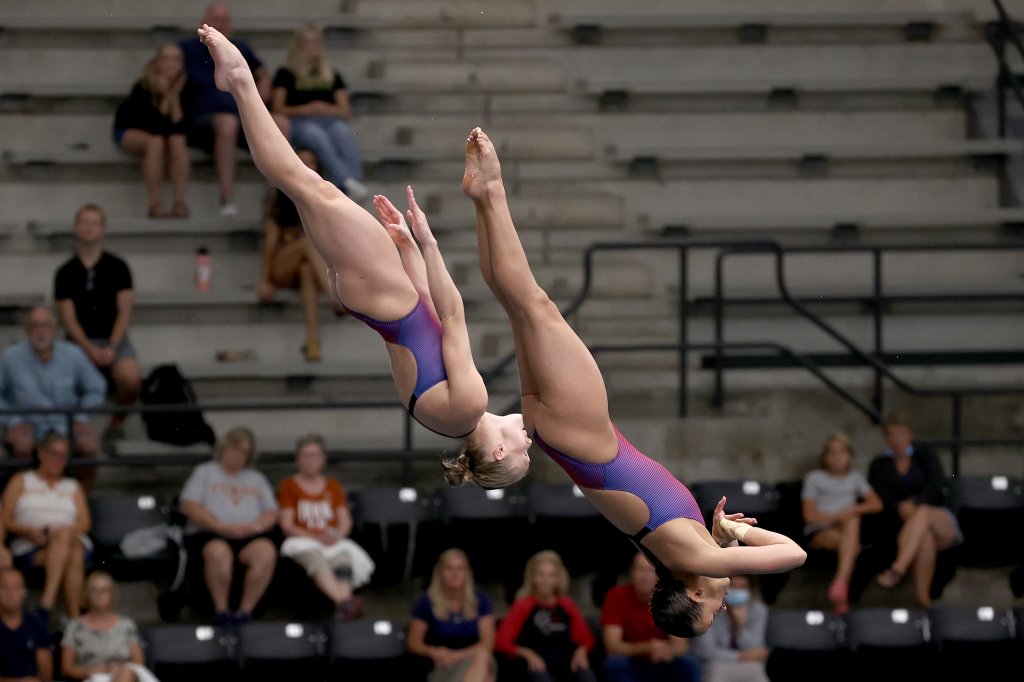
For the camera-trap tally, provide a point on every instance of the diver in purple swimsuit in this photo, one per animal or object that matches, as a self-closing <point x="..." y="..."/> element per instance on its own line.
<point x="404" y="293"/>
<point x="565" y="406"/>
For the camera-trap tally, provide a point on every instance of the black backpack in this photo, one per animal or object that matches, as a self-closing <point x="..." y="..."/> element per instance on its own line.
<point x="166" y="385"/>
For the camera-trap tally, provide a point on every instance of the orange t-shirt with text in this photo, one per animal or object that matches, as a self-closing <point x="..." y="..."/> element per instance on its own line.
<point x="312" y="512"/>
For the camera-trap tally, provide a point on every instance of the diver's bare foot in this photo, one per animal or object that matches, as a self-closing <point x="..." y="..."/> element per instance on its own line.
<point x="483" y="172"/>
<point x="230" y="66"/>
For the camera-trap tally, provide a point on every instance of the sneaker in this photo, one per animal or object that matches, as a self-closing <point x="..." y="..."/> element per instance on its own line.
<point x="223" y="620"/>
<point x="228" y="210"/>
<point x="111" y="435"/>
<point x="356" y="190"/>
<point x="241" y="618"/>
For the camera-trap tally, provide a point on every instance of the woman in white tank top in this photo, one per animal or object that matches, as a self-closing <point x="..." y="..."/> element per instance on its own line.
<point x="47" y="516"/>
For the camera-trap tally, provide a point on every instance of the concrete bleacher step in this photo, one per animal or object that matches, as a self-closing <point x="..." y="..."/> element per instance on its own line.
<point x="762" y="69"/>
<point x="820" y="151"/>
<point x="545" y="141"/>
<point x="648" y="206"/>
<point x="478" y="75"/>
<point x="444" y="13"/>
<point x="586" y="209"/>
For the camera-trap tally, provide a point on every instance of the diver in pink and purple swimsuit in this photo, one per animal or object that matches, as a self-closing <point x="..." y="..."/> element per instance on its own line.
<point x="565" y="407"/>
<point x="404" y="293"/>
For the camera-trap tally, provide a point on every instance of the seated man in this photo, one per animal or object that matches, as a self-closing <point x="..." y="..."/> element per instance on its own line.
<point x="637" y="651"/>
<point x="215" y="126"/>
<point x="46" y="372"/>
<point x="24" y="641"/>
<point x="94" y="295"/>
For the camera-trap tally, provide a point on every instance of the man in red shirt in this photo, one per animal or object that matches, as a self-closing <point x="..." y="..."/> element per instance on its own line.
<point x="637" y="651"/>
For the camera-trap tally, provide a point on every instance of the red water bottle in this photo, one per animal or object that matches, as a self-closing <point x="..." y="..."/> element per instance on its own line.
<point x="204" y="269"/>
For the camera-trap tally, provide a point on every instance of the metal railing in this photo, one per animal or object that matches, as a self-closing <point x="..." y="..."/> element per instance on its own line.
<point x="878" y="301"/>
<point x="1000" y="33"/>
<point x="956" y="441"/>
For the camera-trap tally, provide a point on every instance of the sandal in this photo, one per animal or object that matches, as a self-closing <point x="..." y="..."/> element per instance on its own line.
<point x="180" y="210"/>
<point x="158" y="210"/>
<point x="889" y="578"/>
<point x="311" y="351"/>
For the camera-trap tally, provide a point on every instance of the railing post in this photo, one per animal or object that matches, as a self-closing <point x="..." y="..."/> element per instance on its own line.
<point x="876" y="256"/>
<point x="957" y="431"/>
<point x="718" y="398"/>
<point x="684" y="332"/>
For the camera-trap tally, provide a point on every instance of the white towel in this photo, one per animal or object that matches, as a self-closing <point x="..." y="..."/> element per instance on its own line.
<point x="142" y="674"/>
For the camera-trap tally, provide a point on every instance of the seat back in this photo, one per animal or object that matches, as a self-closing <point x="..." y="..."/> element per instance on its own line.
<point x="278" y="641"/>
<point x="803" y="629"/>
<point x="366" y="640"/>
<point x="179" y="645"/>
<point x="885" y="628"/>
<point x="558" y="500"/>
<point x="753" y="498"/>
<point x="387" y="505"/>
<point x="114" y="515"/>
<point x="969" y="624"/>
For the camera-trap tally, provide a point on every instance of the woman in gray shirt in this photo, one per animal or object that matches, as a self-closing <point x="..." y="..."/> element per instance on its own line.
<point x="834" y="498"/>
<point x="102" y="645"/>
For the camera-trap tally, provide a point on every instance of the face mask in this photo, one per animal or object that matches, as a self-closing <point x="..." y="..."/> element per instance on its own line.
<point x="737" y="597"/>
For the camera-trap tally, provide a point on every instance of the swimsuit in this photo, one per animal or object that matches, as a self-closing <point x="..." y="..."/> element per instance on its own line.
<point x="633" y="472"/>
<point x="420" y="332"/>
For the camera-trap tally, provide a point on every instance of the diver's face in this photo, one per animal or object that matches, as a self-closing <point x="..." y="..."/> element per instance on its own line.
<point x="713" y="598"/>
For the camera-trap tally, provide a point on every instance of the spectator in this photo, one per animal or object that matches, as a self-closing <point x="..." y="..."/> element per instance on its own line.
<point x="316" y="522"/>
<point x="214" y="125"/>
<point x="835" y="497"/>
<point x="102" y="645"/>
<point x="734" y="649"/>
<point x="95" y="299"/>
<point x="291" y="261"/>
<point x="637" y="651"/>
<point x="5" y="555"/>
<point x="910" y="482"/>
<point x="314" y="98"/>
<point x="544" y="628"/>
<point x="150" y="124"/>
<point x="453" y="624"/>
<point x="231" y="512"/>
<point x="47" y="514"/>
<point x="24" y="641"/>
<point x="45" y="372"/>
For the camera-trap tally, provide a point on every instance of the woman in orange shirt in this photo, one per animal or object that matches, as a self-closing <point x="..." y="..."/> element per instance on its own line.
<point x="316" y="523"/>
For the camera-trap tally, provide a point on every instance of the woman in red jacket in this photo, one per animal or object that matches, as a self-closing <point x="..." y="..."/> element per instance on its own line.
<point x="544" y="629"/>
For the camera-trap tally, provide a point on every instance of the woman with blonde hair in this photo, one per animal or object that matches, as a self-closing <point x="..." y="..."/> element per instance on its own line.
<point x="101" y="645"/>
<point x="835" y="497"/>
<point x="231" y="510"/>
<point x="404" y="294"/>
<point x="314" y="97"/>
<point x="150" y="124"/>
<point x="544" y="633"/>
<point x="453" y="623"/>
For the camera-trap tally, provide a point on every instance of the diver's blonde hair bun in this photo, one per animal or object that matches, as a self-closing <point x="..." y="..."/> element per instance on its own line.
<point x="456" y="470"/>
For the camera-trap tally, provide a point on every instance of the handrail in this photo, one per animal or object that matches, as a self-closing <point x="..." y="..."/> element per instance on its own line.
<point x="883" y="371"/>
<point x="1002" y="30"/>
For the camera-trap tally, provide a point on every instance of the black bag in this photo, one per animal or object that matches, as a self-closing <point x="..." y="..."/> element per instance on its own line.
<point x="165" y="385"/>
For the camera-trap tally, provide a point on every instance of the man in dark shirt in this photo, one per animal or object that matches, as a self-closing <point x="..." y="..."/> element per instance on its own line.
<point x="215" y="126"/>
<point x="95" y="298"/>
<point x="24" y="641"/>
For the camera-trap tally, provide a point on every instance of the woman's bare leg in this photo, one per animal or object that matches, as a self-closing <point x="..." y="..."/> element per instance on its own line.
<point x="371" y="277"/>
<point x="554" y="362"/>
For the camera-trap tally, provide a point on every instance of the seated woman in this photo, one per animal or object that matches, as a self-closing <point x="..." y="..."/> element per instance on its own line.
<point x="101" y="645"/>
<point x="48" y="518"/>
<point x="6" y="561"/>
<point x="405" y="295"/>
<point x="565" y="407"/>
<point x="453" y="624"/>
<point x="314" y="97"/>
<point x="910" y="482"/>
<point x="544" y="628"/>
<point x="835" y="497"/>
<point x="231" y="511"/>
<point x="150" y="124"/>
<point x="290" y="261"/>
<point x="316" y="522"/>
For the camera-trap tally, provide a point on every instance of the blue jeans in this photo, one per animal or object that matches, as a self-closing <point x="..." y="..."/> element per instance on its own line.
<point x="334" y="143"/>
<point x="626" y="669"/>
